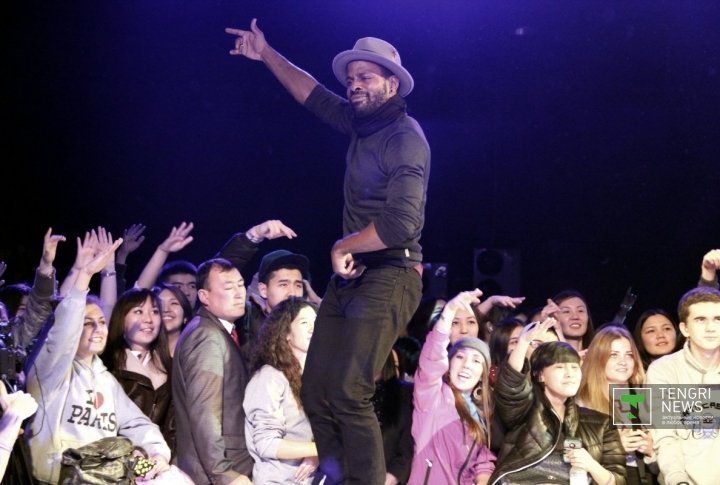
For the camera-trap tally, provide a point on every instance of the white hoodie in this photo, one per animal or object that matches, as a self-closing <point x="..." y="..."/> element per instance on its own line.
<point x="685" y="455"/>
<point x="78" y="403"/>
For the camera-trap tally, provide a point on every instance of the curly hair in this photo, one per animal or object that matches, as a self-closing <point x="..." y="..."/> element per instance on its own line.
<point x="272" y="347"/>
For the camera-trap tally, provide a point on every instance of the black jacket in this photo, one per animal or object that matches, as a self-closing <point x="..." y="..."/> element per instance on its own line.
<point x="533" y="429"/>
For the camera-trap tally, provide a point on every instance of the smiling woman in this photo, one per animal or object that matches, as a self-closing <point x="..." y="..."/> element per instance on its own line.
<point x="537" y="405"/>
<point x="452" y="404"/>
<point x="277" y="430"/>
<point x="137" y="355"/>
<point x="78" y="400"/>
<point x="613" y="358"/>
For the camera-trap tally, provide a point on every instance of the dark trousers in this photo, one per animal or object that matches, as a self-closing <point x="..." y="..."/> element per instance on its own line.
<point x="356" y="327"/>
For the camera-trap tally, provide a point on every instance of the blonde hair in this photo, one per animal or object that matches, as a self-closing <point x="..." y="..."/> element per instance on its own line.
<point x="594" y="385"/>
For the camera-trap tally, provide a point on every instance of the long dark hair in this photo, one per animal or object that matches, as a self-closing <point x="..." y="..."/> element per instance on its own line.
<point x="114" y="355"/>
<point x="180" y="297"/>
<point x="645" y="357"/>
<point x="548" y="354"/>
<point x="500" y="339"/>
<point x="272" y="347"/>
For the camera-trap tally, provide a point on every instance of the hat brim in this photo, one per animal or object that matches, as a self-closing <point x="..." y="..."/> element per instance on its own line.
<point x="339" y="67"/>
<point x="289" y="261"/>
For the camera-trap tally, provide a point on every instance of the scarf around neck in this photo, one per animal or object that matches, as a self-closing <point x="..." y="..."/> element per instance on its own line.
<point x="382" y="117"/>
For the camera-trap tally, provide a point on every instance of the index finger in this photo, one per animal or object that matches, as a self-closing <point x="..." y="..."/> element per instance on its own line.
<point x="232" y="31"/>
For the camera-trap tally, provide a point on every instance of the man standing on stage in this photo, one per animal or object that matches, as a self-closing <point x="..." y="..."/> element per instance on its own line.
<point x="377" y="284"/>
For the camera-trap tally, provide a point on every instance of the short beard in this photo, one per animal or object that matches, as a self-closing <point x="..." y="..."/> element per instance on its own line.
<point x="375" y="101"/>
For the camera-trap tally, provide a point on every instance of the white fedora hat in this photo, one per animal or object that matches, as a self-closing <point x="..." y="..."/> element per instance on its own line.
<point x="378" y="51"/>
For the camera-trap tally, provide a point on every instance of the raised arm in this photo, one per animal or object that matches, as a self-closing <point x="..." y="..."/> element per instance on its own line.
<point x="55" y="356"/>
<point x="252" y="44"/>
<point x="530" y="332"/>
<point x="108" y="275"/>
<point x="179" y="238"/>
<point x="433" y="362"/>
<point x="39" y="306"/>
<point x="240" y="248"/>
<point x="709" y="267"/>
<point x="132" y="239"/>
<point x="85" y="253"/>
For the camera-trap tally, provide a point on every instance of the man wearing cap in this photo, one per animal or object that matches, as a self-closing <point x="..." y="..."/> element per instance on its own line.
<point x="281" y="274"/>
<point x="377" y="285"/>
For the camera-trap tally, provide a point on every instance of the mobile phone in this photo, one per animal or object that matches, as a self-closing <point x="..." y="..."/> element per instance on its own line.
<point x="570" y="444"/>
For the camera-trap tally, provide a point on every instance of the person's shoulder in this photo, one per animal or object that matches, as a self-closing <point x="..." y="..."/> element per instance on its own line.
<point x="203" y="323"/>
<point x="269" y="372"/>
<point x="265" y="379"/>
<point x="666" y="362"/>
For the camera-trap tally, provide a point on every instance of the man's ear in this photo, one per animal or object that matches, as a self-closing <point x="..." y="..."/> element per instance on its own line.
<point x="394" y="84"/>
<point x="262" y="289"/>
<point x="684" y="330"/>
<point x="202" y="295"/>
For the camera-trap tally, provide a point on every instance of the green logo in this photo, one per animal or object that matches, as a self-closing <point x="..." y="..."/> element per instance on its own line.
<point x="634" y="401"/>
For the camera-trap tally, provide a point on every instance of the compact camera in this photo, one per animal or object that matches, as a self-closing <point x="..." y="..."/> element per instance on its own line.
<point x="570" y="444"/>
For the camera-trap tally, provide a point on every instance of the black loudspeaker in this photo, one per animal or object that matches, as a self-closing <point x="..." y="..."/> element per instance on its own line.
<point x="435" y="279"/>
<point x="497" y="271"/>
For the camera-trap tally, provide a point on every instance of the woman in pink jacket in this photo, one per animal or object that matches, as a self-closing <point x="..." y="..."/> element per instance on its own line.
<point x="452" y="406"/>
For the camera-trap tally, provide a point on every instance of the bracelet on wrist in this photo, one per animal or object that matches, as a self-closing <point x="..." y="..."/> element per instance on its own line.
<point x="105" y="274"/>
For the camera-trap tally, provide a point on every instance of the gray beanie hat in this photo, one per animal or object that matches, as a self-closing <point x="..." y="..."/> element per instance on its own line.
<point x="471" y="343"/>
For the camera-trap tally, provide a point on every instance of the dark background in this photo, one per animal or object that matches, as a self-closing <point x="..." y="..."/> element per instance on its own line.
<point x="582" y="136"/>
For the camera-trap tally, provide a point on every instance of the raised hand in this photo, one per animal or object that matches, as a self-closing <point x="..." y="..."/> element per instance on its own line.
<point x="102" y="257"/>
<point x="501" y="301"/>
<point x="463" y="300"/>
<point x="550" y="309"/>
<point x="710" y="265"/>
<point x="179" y="238"/>
<point x="249" y="43"/>
<point x="86" y="249"/>
<point x="50" y="243"/>
<point x="534" y="330"/>
<point x="132" y="239"/>
<point x="271" y="229"/>
<point x="104" y="239"/>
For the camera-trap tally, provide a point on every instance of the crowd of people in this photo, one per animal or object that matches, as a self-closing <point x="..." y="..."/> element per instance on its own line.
<point x="475" y="399"/>
<point x="220" y="380"/>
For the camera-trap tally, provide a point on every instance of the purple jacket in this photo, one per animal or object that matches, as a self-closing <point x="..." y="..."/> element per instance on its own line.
<point x="439" y="434"/>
